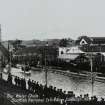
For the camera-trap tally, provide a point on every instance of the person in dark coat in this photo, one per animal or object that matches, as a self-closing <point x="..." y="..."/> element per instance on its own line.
<point x="29" y="84"/>
<point x="9" y="78"/>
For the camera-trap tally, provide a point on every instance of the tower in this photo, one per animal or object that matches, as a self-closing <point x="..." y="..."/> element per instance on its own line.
<point x="0" y="33"/>
<point x="0" y="55"/>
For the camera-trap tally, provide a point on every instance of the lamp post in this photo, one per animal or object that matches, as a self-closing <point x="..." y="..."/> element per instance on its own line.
<point x="90" y="56"/>
<point x="10" y="57"/>
<point x="45" y="60"/>
<point x="10" y="60"/>
<point x="45" y="71"/>
<point x="46" y="75"/>
<point x="91" y="65"/>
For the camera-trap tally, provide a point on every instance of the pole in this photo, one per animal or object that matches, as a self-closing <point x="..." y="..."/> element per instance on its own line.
<point x="100" y="53"/>
<point x="45" y="69"/>
<point x="46" y="82"/>
<point x="91" y="64"/>
<point x="0" y="33"/>
<point x="1" y="56"/>
<point x="10" y="54"/>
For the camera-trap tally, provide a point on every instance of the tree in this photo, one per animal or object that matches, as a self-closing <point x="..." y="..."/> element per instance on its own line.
<point x="16" y="43"/>
<point x="63" y="43"/>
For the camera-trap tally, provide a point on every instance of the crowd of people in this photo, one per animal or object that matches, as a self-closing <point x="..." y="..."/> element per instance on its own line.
<point x="48" y="92"/>
<point x="20" y="82"/>
<point x="41" y="90"/>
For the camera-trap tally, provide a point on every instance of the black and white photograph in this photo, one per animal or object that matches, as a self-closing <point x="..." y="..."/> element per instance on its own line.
<point x="52" y="52"/>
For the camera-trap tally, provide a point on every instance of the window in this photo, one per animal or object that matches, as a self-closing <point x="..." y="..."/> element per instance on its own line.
<point x="62" y="52"/>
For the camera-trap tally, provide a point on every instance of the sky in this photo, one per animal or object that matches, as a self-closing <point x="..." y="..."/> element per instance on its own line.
<point x="47" y="19"/>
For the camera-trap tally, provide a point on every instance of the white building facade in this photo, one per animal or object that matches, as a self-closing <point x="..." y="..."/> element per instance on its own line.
<point x="69" y="53"/>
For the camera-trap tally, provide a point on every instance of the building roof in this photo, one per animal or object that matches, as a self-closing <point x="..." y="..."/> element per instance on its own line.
<point x="37" y="50"/>
<point x="74" y="50"/>
<point x="93" y="48"/>
<point x="87" y="39"/>
<point x="98" y="40"/>
<point x="91" y="40"/>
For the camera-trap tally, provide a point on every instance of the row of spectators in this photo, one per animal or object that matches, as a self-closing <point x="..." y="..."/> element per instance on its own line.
<point x="20" y="82"/>
<point x="50" y="92"/>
